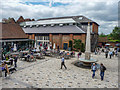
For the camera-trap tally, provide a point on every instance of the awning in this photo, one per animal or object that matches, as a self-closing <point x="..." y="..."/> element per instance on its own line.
<point x="12" y="40"/>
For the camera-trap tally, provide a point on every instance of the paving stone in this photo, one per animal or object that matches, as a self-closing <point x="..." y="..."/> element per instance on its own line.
<point x="107" y="81"/>
<point x="47" y="74"/>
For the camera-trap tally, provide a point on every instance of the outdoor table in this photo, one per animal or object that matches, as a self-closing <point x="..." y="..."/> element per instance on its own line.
<point x="24" y="51"/>
<point x="29" y="59"/>
<point x="35" y="51"/>
<point x="15" y="53"/>
<point x="25" y="57"/>
<point x="39" y="55"/>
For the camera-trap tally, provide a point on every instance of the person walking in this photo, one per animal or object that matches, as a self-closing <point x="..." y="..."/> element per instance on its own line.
<point x="15" y="61"/>
<point x="94" y="68"/>
<point x="79" y="54"/>
<point x="58" y="49"/>
<point x="106" y="53"/>
<point x="110" y="54"/>
<point x="102" y="70"/>
<point x="63" y="62"/>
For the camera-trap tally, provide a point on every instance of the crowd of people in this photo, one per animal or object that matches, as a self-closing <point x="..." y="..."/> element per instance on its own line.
<point x="108" y="52"/>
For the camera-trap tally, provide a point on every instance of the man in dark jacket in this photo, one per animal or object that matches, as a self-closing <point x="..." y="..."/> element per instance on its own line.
<point x="102" y="70"/>
<point x="15" y="60"/>
<point x="106" y="53"/>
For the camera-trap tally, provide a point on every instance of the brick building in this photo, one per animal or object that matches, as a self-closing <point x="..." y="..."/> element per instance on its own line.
<point x="60" y="30"/>
<point x="104" y="40"/>
<point x="11" y="33"/>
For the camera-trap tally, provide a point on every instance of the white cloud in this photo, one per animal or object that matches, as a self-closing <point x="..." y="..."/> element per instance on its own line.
<point x="101" y="12"/>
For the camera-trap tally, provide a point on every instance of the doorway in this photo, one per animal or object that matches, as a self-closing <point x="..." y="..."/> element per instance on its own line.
<point x="65" y="46"/>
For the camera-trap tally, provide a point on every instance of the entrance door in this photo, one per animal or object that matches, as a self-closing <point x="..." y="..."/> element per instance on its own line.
<point x="65" y="46"/>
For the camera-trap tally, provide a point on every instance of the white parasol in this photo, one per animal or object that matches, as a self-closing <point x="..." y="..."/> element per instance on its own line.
<point x="54" y="46"/>
<point x="48" y="47"/>
<point x="37" y="48"/>
<point x="107" y="44"/>
<point x="15" y="48"/>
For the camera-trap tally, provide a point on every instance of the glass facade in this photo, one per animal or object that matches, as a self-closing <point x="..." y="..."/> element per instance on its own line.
<point x="42" y="39"/>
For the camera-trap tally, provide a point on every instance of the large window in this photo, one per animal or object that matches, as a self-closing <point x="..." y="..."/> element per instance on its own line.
<point x="42" y="39"/>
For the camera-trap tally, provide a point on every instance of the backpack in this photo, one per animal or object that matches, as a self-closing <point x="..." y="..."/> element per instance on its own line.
<point x="104" y="68"/>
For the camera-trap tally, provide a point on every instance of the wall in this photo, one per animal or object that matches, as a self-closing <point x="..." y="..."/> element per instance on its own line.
<point x="81" y="37"/>
<point x="94" y="28"/>
<point x="32" y="36"/>
<point x="60" y="39"/>
<point x="113" y="44"/>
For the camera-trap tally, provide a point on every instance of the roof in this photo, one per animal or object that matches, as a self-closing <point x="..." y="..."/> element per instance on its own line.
<point x="81" y="18"/>
<point x="54" y="29"/>
<point x="12" y="40"/>
<point x="21" y="19"/>
<point x="10" y="31"/>
<point x="59" y="20"/>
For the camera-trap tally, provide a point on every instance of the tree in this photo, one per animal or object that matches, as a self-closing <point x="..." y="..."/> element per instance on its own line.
<point x="102" y="35"/>
<point x="78" y="45"/>
<point x="115" y="35"/>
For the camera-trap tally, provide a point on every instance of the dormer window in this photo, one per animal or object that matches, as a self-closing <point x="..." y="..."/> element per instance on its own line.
<point x="52" y="25"/>
<point x="24" y="26"/>
<point x="37" y="25"/>
<point x="71" y="24"/>
<point x="80" y="18"/>
<point x="61" y="25"/>
<point x="30" y="26"/>
<point x="44" y="25"/>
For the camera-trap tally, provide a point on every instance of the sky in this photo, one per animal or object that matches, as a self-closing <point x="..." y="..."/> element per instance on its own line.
<point x="104" y="12"/>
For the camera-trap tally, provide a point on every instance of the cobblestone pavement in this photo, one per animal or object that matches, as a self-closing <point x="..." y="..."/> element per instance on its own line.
<point x="46" y="73"/>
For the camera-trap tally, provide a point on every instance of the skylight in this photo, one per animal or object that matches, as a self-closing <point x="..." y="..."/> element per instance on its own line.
<point x="80" y="18"/>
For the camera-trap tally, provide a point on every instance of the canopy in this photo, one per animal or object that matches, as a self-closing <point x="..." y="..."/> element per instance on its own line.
<point x="48" y="47"/>
<point x="15" y="48"/>
<point x="107" y="44"/>
<point x="54" y="46"/>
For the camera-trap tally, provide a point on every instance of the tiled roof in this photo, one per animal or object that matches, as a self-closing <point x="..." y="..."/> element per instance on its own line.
<point x="54" y="29"/>
<point x="10" y="31"/>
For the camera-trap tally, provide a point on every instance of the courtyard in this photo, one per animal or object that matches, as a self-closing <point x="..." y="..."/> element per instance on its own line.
<point x="46" y="73"/>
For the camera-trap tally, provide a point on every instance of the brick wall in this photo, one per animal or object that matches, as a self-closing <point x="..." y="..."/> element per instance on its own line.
<point x="61" y="39"/>
<point x="31" y="36"/>
<point x="94" y="28"/>
<point x="81" y="37"/>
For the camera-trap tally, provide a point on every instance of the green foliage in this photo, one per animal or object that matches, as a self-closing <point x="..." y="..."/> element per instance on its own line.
<point x="78" y="45"/>
<point x="102" y="35"/>
<point x="115" y="35"/>
<point x="70" y="44"/>
<point x="114" y="40"/>
<point x="82" y="47"/>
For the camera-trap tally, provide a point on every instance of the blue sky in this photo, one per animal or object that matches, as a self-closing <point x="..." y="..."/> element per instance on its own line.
<point x="55" y="4"/>
<point x="105" y="13"/>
